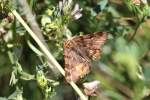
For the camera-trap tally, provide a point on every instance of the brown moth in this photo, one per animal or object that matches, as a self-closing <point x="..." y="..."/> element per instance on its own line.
<point x="78" y="53"/>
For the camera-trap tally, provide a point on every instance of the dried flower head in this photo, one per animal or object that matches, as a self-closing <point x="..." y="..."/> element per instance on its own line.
<point x="90" y="88"/>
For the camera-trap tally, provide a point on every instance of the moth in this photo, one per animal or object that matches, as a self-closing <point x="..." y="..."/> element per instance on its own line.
<point x="79" y="52"/>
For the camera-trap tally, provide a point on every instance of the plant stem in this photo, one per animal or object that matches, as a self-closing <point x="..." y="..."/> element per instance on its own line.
<point x="136" y="29"/>
<point x="48" y="54"/>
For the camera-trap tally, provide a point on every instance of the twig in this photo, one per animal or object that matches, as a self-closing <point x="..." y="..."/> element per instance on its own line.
<point x="48" y="54"/>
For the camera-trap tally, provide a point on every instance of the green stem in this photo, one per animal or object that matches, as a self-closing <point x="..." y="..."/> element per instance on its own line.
<point x="136" y="29"/>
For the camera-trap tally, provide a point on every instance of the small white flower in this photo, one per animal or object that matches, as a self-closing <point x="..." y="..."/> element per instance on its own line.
<point x="76" y="12"/>
<point x="91" y="85"/>
<point x="76" y="9"/>
<point x="77" y="16"/>
<point x="66" y="7"/>
<point x="69" y="2"/>
<point x="60" y="5"/>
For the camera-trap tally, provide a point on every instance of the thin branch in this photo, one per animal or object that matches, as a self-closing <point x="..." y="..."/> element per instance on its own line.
<point x="48" y="54"/>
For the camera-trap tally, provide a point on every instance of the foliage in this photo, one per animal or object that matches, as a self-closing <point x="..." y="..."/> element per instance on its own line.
<point x="124" y="67"/>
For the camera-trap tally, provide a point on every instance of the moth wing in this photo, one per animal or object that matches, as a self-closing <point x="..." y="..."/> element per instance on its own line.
<point x="91" y="44"/>
<point x="77" y="65"/>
